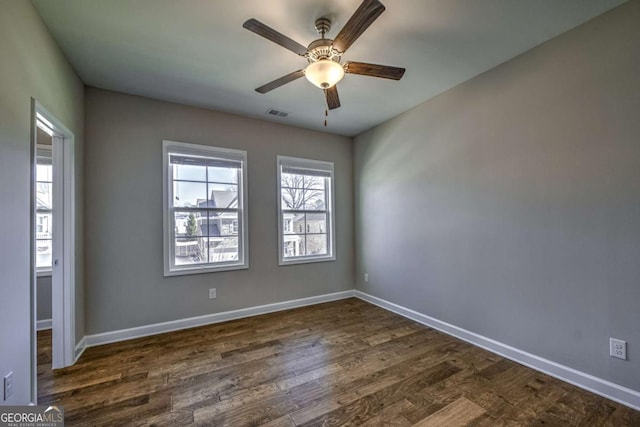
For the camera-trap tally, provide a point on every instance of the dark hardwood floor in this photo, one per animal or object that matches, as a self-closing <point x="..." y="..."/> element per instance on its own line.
<point x="340" y="363"/>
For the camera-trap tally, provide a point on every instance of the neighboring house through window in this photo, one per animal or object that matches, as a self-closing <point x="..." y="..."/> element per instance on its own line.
<point x="306" y="212"/>
<point x="205" y="208"/>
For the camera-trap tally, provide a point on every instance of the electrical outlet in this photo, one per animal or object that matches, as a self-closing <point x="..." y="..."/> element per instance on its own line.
<point x="8" y="385"/>
<point x="212" y="293"/>
<point x="366" y="277"/>
<point x="618" y="348"/>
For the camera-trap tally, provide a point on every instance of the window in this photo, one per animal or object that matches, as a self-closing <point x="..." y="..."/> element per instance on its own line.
<point x="205" y="209"/>
<point x="44" y="210"/>
<point x="305" y="210"/>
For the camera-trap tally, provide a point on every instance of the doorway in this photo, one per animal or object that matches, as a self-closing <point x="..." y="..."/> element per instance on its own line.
<point x="53" y="239"/>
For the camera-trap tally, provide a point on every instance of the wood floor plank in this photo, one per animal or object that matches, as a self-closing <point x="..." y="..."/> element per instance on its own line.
<point x="391" y="416"/>
<point x="340" y="363"/>
<point x="284" y="421"/>
<point x="381" y="385"/>
<point x="623" y="416"/>
<point x="459" y="413"/>
<point x="172" y="418"/>
<point x="125" y="411"/>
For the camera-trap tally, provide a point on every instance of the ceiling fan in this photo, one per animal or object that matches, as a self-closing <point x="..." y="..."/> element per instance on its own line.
<point x="324" y="55"/>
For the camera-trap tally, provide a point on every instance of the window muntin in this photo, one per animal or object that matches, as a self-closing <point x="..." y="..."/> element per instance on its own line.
<point x="205" y="209"/>
<point x="44" y="210"/>
<point x="305" y="204"/>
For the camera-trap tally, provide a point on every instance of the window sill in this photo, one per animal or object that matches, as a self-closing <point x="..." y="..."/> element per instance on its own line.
<point x="305" y="260"/>
<point x="201" y="270"/>
<point x="43" y="273"/>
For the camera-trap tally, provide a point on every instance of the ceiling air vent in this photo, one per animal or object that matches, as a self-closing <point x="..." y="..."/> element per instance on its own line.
<point x="276" y="113"/>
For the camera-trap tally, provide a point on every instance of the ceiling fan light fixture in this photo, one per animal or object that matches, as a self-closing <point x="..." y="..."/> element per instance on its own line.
<point x="324" y="73"/>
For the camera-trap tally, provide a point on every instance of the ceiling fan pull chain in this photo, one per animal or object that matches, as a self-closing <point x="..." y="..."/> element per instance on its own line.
<point x="326" y="113"/>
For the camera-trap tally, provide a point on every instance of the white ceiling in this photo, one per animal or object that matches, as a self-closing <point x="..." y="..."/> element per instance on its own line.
<point x="196" y="52"/>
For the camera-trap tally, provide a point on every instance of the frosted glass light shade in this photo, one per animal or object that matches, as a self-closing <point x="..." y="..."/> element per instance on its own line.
<point x="324" y="73"/>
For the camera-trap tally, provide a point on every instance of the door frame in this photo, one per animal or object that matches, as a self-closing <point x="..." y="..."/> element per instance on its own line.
<point x="63" y="280"/>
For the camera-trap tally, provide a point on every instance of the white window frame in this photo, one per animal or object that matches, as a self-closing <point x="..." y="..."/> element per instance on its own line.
<point x="330" y="208"/>
<point x="44" y="152"/>
<point x="183" y="148"/>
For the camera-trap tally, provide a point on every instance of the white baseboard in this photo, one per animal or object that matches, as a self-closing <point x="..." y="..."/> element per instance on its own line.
<point x="80" y="348"/>
<point x="42" y="325"/>
<point x="615" y="392"/>
<point x="174" y="325"/>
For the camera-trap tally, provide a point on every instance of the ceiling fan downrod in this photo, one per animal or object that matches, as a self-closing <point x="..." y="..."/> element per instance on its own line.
<point x="323" y="26"/>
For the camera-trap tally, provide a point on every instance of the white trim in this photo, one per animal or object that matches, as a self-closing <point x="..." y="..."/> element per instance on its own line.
<point x="207" y="319"/>
<point x="599" y="386"/>
<point x="33" y="277"/>
<point x="79" y="349"/>
<point x="44" y="124"/>
<point x="168" y="221"/>
<point x="43" y="325"/>
<point x="331" y="216"/>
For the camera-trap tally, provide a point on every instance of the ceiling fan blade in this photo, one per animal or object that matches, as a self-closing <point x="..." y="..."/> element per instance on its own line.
<point x="364" y="16"/>
<point x="270" y="34"/>
<point x="374" y="70"/>
<point x="281" y="81"/>
<point x="333" y="100"/>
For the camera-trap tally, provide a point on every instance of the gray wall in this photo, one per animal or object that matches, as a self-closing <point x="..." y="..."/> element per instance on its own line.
<point x="43" y="302"/>
<point x="510" y="205"/>
<point x="125" y="283"/>
<point x="31" y="66"/>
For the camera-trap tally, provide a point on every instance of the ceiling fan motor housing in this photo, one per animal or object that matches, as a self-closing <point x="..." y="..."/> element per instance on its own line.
<point x="322" y="49"/>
